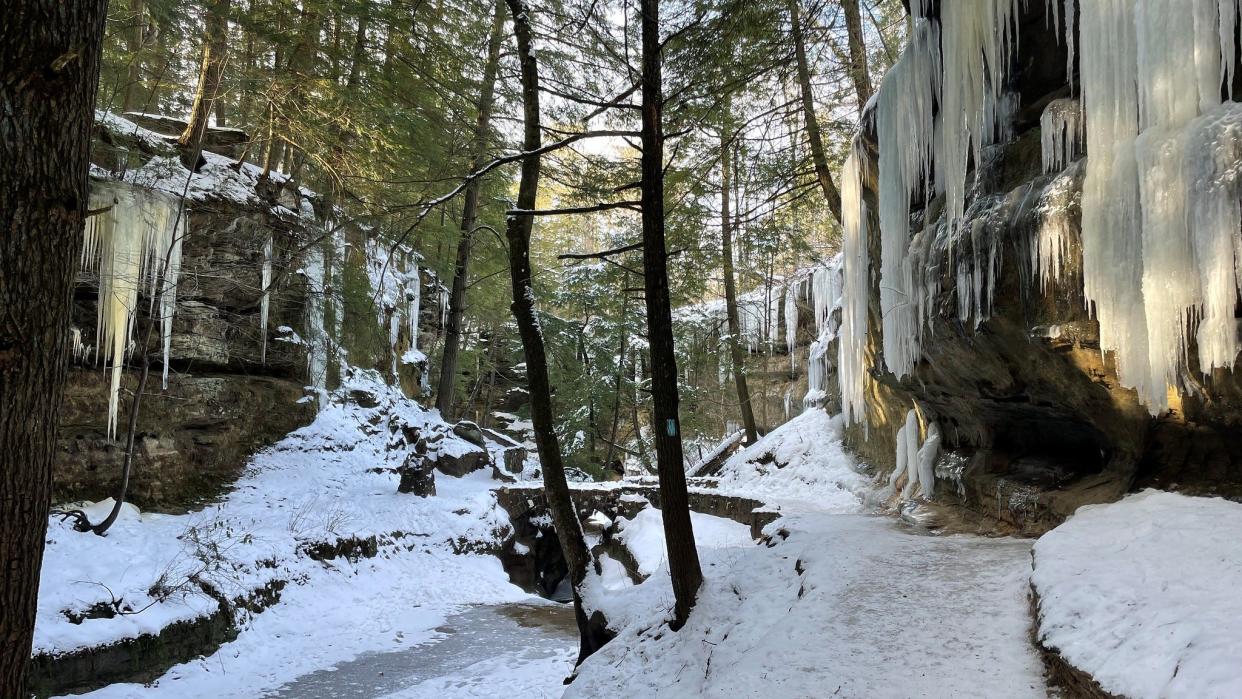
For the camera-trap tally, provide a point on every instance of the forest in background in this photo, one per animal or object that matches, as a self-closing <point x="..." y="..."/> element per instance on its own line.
<point x="387" y="108"/>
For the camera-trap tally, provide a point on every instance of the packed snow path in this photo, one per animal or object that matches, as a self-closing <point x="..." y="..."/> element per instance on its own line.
<point x="845" y="605"/>
<point x="836" y="602"/>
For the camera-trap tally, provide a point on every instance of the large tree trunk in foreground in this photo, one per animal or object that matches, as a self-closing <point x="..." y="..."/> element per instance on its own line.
<point x="831" y="194"/>
<point x="730" y="284"/>
<point x="49" y="72"/>
<point x="211" y="73"/>
<point x="859" y="73"/>
<point x="517" y="232"/>
<point x="683" y="557"/>
<point x="469" y="214"/>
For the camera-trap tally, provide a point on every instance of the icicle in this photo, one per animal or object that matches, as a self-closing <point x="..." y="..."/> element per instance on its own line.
<point x="317" y="355"/>
<point x="907" y="455"/>
<point x="265" y="304"/>
<point x="134" y="244"/>
<point x="904" y="121"/>
<point x="816" y="371"/>
<point x="81" y="353"/>
<point x="791" y="323"/>
<point x="1070" y="8"/>
<point x="825" y="293"/>
<point x="1050" y="244"/>
<point x="416" y="302"/>
<point x="1111" y="225"/>
<point x="1060" y="133"/>
<point x="851" y="364"/>
<point x="976" y="40"/>
<point x="1214" y="151"/>
<point x="1227" y="23"/>
<point x="999" y="113"/>
<point x="168" y="290"/>
<point x="926" y="461"/>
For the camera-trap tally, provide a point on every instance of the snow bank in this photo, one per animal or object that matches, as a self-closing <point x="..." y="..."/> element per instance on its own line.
<point x="1144" y="596"/>
<point x="321" y="484"/>
<point x="644" y="536"/>
<point x="800" y="465"/>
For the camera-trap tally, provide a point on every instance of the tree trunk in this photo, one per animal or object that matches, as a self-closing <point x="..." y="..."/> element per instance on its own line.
<point x="359" y="54"/>
<point x="517" y="232"/>
<point x="831" y="194"/>
<point x="215" y="53"/>
<point x="133" y="45"/>
<point x="683" y="557"/>
<point x="859" y="73"/>
<point x="301" y="61"/>
<point x="49" y="74"/>
<point x="469" y="214"/>
<point x="623" y="344"/>
<point x="246" y="81"/>
<point x="643" y="459"/>
<point x="730" y="285"/>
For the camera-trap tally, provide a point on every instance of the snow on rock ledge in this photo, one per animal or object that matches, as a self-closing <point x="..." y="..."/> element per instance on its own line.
<point x="1143" y="595"/>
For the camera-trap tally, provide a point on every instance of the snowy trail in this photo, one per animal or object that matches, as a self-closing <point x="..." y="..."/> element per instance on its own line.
<point x="846" y="605"/>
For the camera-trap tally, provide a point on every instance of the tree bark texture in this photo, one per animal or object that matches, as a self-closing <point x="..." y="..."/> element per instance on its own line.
<point x="683" y="557"/>
<point x="49" y="74"/>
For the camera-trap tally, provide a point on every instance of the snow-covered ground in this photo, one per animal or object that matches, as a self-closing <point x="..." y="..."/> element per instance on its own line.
<point x="1146" y="595"/>
<point x="644" y="536"/>
<point x="837" y="603"/>
<point x="801" y="466"/>
<point x="319" y="484"/>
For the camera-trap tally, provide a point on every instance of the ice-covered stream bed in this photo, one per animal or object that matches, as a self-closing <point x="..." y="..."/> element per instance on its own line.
<point x="515" y="650"/>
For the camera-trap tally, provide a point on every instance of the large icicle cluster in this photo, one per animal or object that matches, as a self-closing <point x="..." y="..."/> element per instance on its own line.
<point x="823" y="287"/>
<point x="906" y="125"/>
<point x="1160" y="206"/>
<point x="976" y="38"/>
<point x="1051" y="241"/>
<point x="1060" y="133"/>
<point x="393" y="274"/>
<point x="959" y="63"/>
<point x="1161" y="221"/>
<point x="133" y="244"/>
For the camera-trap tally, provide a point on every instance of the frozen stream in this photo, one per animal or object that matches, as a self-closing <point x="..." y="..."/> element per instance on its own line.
<point x="518" y="650"/>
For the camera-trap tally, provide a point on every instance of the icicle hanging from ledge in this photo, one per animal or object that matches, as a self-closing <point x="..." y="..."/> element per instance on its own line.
<point x="791" y="323"/>
<point x="906" y="129"/>
<point x="265" y="304"/>
<point x="856" y="285"/>
<point x="135" y="242"/>
<point x="1160" y="201"/>
<point x="976" y="41"/>
<point x="1060" y="133"/>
